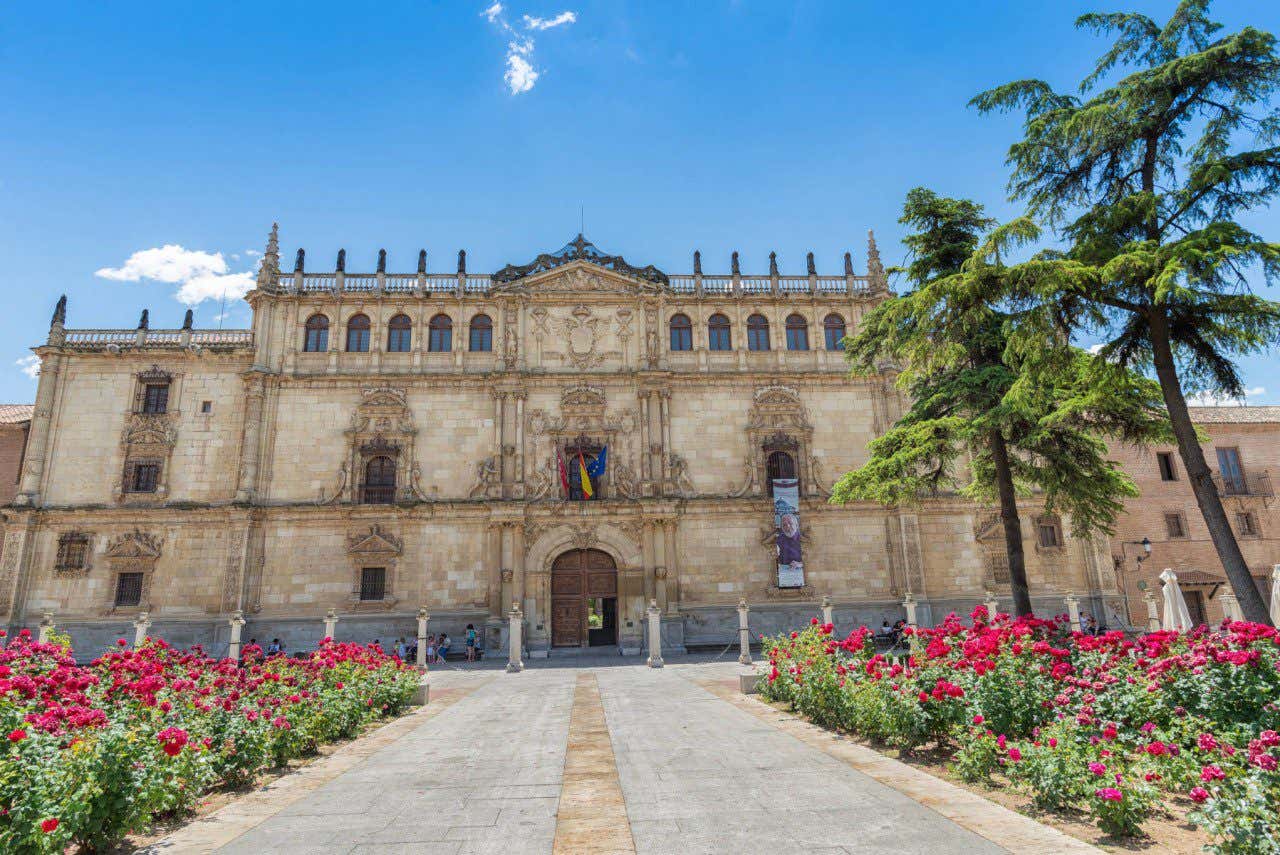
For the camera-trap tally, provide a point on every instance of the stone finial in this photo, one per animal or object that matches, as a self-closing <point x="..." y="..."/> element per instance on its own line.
<point x="144" y="322"/>
<point x="874" y="268"/>
<point x="300" y="263"/>
<point x="809" y="265"/>
<point x="462" y="262"/>
<point x="189" y="319"/>
<point x="773" y="264"/>
<point x="422" y="261"/>
<point x="697" y="263"/>
<point x="848" y="264"/>
<point x="271" y="258"/>
<point x="382" y="261"/>
<point x="59" y="312"/>
<point x="733" y="264"/>
<point x="342" y="261"/>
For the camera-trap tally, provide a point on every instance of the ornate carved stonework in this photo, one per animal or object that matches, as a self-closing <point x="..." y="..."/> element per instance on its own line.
<point x="375" y="541"/>
<point x="374" y="547"/>
<point x="133" y="552"/>
<point x="581" y="331"/>
<point x="382" y="425"/>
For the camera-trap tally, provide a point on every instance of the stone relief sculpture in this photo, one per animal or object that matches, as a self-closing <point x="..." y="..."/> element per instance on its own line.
<point x="679" y="469"/>
<point x="488" y="478"/>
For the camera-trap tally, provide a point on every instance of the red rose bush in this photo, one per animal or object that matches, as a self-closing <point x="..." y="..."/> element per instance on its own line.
<point x="95" y="752"/>
<point x="1184" y="723"/>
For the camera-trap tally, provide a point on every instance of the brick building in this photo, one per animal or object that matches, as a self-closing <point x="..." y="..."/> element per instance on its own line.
<point x="1243" y="449"/>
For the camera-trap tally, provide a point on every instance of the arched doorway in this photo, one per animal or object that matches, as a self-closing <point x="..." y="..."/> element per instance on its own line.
<point x="584" y="599"/>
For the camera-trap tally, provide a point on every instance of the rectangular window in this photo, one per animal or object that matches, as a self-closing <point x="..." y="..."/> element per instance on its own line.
<point x="129" y="589"/>
<point x="373" y="583"/>
<point x="144" y="478"/>
<point x="73" y="552"/>
<point x="1232" y="472"/>
<point x="155" y="398"/>
<point x="1049" y="536"/>
<point x="1247" y="524"/>
<point x="1167" y="470"/>
<point x="1174" y="525"/>
<point x="206" y="406"/>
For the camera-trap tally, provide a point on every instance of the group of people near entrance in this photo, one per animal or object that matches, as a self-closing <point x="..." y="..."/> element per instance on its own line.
<point x="437" y="646"/>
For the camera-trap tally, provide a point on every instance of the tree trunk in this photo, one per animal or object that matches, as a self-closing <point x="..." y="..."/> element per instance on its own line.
<point x="1201" y="478"/>
<point x="1012" y="525"/>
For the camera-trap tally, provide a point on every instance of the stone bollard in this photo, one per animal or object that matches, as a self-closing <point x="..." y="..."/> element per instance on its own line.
<point x="423" y="617"/>
<point x="744" y="634"/>
<point x="1073" y="611"/>
<point x="140" y="627"/>
<point x="1153" y="614"/>
<point x="236" y="622"/>
<point x="514" y="643"/>
<point x="909" y="605"/>
<point x="1231" y="606"/>
<point x="330" y="624"/>
<point x="655" y="635"/>
<point x="827" y="610"/>
<point x="992" y="604"/>
<point x="46" y="628"/>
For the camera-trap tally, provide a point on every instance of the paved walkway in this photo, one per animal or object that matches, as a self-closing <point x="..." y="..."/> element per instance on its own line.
<point x="574" y="757"/>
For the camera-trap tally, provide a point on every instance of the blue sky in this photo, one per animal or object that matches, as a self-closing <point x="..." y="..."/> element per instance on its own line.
<point x="712" y="125"/>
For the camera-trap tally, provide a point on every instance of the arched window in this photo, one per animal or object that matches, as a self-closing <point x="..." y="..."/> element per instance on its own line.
<point x="779" y="464"/>
<point x="833" y="330"/>
<point x="400" y="334"/>
<point x="316" y="339"/>
<point x="441" y="334"/>
<point x="718" y="337"/>
<point x="481" y="334"/>
<point x="797" y="333"/>
<point x="358" y="334"/>
<point x="379" y="487"/>
<point x="757" y="333"/>
<point x="681" y="333"/>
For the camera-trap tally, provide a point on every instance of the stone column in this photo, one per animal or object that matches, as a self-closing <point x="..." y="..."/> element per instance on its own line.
<point x="909" y="605"/>
<point x="140" y="627"/>
<point x="514" y="662"/>
<point x="517" y="564"/>
<point x="1231" y="606"/>
<point x="644" y="436"/>
<point x="1153" y="614"/>
<point x="493" y="548"/>
<point x="423" y="617"/>
<point x="664" y="399"/>
<point x="46" y="628"/>
<point x="1073" y="611"/>
<point x="519" y="464"/>
<point x="236" y="622"/>
<point x="827" y="609"/>
<point x="254" y="396"/>
<point x="330" y="624"/>
<point x="744" y="633"/>
<point x="992" y="604"/>
<point x="655" y="634"/>
<point x="41" y="426"/>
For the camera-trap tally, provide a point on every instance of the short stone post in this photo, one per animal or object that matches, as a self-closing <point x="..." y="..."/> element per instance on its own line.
<point x="1231" y="606"/>
<point x="140" y="627"/>
<point x="1073" y="611"/>
<point x="236" y="622"/>
<point x="330" y="624"/>
<point x="827" y="609"/>
<point x="514" y="643"/>
<point x="46" y="628"/>
<point x="423" y="617"/>
<point x="744" y="634"/>
<point x="992" y="604"/>
<point x="1153" y="614"/>
<point x="655" y="635"/>
<point x="909" y="605"/>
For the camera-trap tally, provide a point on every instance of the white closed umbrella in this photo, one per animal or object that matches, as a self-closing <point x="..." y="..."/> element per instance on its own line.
<point x="1275" y="595"/>
<point x="1176" y="615"/>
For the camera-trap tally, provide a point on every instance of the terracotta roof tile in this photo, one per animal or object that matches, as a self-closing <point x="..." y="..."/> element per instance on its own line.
<point x="13" y="414"/>
<point x="1232" y="415"/>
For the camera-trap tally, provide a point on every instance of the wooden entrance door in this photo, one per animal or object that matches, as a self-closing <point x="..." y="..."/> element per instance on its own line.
<point x="576" y="577"/>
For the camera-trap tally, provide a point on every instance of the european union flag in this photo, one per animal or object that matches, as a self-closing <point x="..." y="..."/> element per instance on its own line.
<point x="596" y="467"/>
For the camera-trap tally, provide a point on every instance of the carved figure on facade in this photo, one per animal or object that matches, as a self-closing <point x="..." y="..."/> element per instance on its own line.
<point x="679" y="469"/>
<point x="488" y="479"/>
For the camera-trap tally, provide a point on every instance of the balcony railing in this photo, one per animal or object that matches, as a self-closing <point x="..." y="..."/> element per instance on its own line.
<point x="371" y="494"/>
<point x="167" y="339"/>
<point x="1248" y="484"/>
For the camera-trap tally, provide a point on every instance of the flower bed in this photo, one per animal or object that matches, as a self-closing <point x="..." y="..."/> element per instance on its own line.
<point x="1115" y="727"/>
<point x="93" y="753"/>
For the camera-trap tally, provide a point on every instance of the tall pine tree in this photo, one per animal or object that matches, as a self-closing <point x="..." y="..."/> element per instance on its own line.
<point x="1145" y="172"/>
<point x="987" y="420"/>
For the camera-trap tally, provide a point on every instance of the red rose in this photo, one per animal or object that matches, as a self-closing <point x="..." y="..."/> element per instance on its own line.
<point x="49" y="824"/>
<point x="17" y="735"/>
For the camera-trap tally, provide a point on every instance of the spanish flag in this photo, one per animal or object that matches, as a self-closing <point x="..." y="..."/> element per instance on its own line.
<point x="584" y="478"/>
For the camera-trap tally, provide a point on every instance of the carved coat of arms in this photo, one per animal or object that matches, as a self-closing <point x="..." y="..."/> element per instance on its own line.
<point x="582" y="333"/>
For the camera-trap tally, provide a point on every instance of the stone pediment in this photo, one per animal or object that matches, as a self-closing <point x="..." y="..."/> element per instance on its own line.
<point x="135" y="544"/>
<point x="375" y="541"/>
<point x="579" y="267"/>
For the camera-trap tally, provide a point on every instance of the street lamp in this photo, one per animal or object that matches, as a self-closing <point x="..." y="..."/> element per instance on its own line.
<point x="1145" y="543"/>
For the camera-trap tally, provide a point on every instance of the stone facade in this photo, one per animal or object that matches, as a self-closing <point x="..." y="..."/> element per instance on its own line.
<point x="305" y="464"/>
<point x="1167" y="516"/>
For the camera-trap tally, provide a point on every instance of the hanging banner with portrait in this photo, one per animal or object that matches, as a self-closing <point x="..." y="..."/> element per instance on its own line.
<point x="786" y="523"/>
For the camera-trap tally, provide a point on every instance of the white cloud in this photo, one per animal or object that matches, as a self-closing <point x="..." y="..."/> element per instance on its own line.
<point x="1217" y="399"/>
<point x="1095" y="349"/>
<point x="29" y="365"/>
<point x="535" y="23"/>
<point x="493" y="12"/>
<point x="520" y="75"/>
<point x="252" y="253"/>
<point x="199" y="275"/>
<point x="169" y="263"/>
